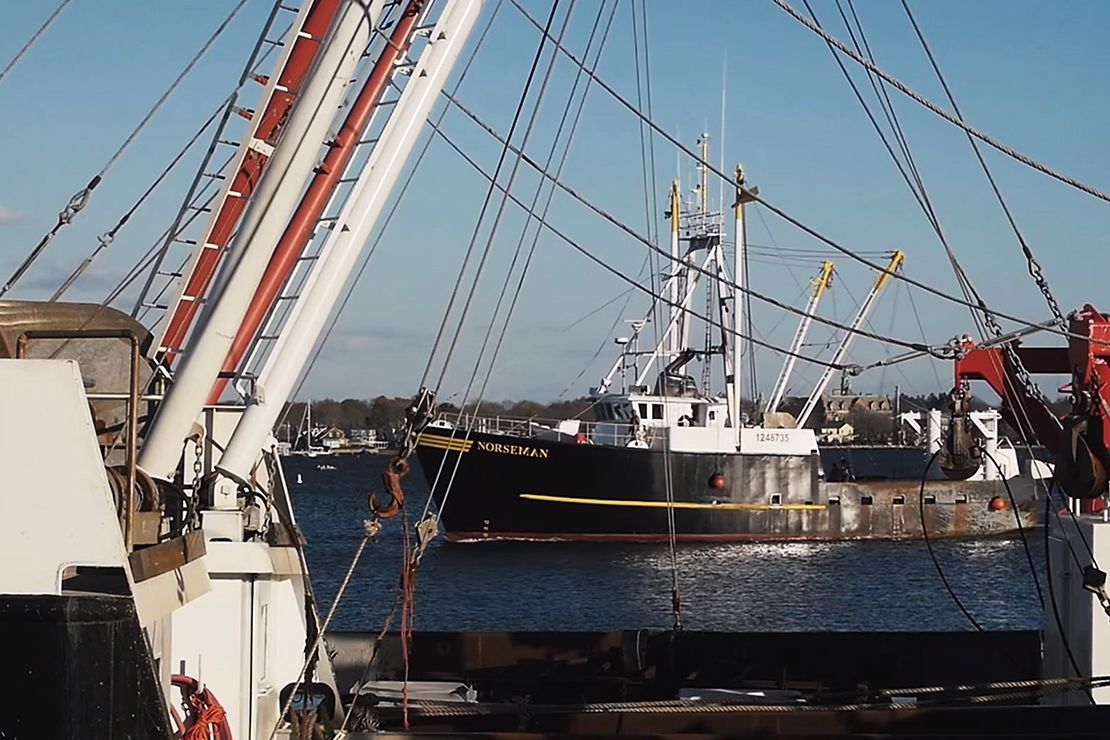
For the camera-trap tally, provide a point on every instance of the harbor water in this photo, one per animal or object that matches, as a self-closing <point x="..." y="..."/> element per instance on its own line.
<point x="801" y="586"/>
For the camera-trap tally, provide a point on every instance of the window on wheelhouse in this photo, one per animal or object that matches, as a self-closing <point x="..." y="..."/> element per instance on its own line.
<point x="657" y="411"/>
<point x="643" y="411"/>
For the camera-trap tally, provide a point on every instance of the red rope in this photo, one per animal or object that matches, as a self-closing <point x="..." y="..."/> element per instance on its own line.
<point x="408" y="602"/>
<point x="208" y="720"/>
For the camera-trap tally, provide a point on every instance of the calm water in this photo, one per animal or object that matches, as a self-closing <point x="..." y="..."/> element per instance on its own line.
<point x="574" y="586"/>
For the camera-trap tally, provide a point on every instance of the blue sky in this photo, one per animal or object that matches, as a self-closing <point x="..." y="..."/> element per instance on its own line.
<point x="1030" y="73"/>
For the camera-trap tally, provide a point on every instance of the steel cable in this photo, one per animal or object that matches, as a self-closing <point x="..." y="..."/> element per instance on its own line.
<point x="1034" y="266"/>
<point x="485" y="255"/>
<point x="697" y="268"/>
<point x="81" y="198"/>
<point x="626" y="278"/>
<point x="953" y="119"/>
<point x="482" y="212"/>
<point x="108" y="237"/>
<point x="852" y="254"/>
<point x="34" y="38"/>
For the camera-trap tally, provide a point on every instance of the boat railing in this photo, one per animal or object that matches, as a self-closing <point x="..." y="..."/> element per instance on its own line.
<point x="609" y="433"/>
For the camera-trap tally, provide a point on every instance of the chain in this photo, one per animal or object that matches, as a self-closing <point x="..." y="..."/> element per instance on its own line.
<point x="417" y="416"/>
<point x="1019" y="370"/>
<point x="198" y="464"/>
<point x="1042" y="283"/>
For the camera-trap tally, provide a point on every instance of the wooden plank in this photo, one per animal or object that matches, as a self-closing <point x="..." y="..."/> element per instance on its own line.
<point x="166" y="556"/>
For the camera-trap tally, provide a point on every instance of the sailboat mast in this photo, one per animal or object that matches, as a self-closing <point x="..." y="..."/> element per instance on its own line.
<point x="861" y="316"/>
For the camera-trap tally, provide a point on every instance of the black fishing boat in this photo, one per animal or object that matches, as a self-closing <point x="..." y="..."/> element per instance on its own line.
<point x="665" y="457"/>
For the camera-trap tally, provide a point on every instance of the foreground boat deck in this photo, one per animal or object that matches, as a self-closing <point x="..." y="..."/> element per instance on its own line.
<point x="555" y="683"/>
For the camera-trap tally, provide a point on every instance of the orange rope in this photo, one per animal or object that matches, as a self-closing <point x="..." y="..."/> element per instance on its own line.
<point x="209" y="718"/>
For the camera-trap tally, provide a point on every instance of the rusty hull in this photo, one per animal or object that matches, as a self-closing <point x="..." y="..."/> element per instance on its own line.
<point x="897" y="509"/>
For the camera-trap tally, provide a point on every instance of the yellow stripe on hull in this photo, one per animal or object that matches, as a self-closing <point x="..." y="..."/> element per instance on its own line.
<point x="445" y="443"/>
<point x="673" y="505"/>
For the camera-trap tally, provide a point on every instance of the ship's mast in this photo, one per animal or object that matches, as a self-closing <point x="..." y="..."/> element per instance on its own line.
<point x="674" y="269"/>
<point x="733" y="375"/>
<point x="342" y="148"/>
<point x="896" y="260"/>
<point x="345" y="243"/>
<point x="820" y="283"/>
<point x="263" y="224"/>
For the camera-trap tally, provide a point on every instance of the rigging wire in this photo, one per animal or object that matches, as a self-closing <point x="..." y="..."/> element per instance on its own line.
<point x="916" y="184"/>
<point x="604" y="339"/>
<point x="653" y="247"/>
<point x="956" y="119"/>
<point x="594" y="311"/>
<point x="1020" y="526"/>
<point x="1035" y="270"/>
<point x="541" y="218"/>
<point x="392" y="209"/>
<point x="81" y="198"/>
<point x="504" y="199"/>
<point x="1033" y="266"/>
<point x="107" y="238"/>
<point x="151" y="254"/>
<point x="932" y="554"/>
<point x="627" y="278"/>
<point x="651" y="208"/>
<point x="319" y="642"/>
<point x="779" y="211"/>
<point x="481" y="218"/>
<point x="34" y="38"/>
<point x="987" y="323"/>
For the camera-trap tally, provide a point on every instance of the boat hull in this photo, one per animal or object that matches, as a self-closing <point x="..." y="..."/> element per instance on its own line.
<point x="514" y="488"/>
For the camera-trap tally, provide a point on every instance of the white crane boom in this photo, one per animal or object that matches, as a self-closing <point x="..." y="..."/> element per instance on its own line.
<point x="861" y="316"/>
<point x="339" y="256"/>
<point x="820" y="283"/>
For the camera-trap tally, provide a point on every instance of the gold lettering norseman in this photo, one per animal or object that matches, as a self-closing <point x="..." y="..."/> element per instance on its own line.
<point x="522" y="450"/>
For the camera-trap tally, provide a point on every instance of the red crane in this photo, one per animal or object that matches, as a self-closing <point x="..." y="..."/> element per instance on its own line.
<point x="1080" y="439"/>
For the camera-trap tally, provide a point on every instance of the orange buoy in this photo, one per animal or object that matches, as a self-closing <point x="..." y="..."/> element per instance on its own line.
<point x="717" y="481"/>
<point x="997" y="504"/>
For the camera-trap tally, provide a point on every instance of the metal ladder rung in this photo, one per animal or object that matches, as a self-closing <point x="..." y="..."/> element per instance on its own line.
<point x="271" y="42"/>
<point x="308" y="258"/>
<point x="367" y="141"/>
<point x="190" y="242"/>
<point x="214" y="175"/>
<point x="169" y="274"/>
<point x="292" y="297"/>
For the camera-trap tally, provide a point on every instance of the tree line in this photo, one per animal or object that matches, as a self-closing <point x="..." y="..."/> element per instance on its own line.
<point x="386" y="414"/>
